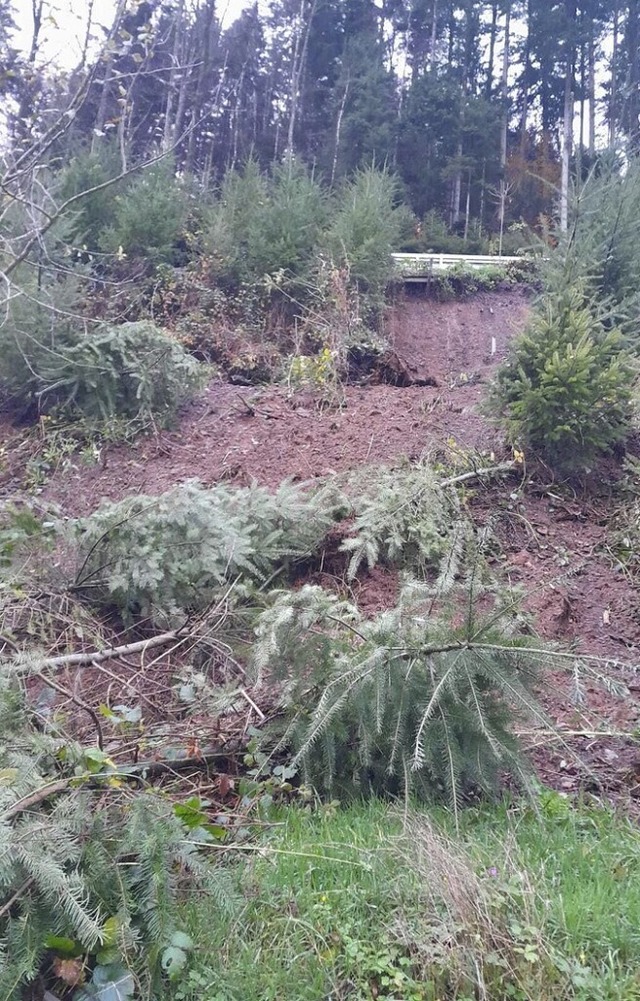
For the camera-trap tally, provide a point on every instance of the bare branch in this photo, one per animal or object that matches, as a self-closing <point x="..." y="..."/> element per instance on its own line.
<point x="112" y="653"/>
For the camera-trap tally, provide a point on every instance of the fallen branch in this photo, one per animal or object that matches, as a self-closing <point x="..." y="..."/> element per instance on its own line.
<point x="503" y="467"/>
<point x="34" y="798"/>
<point x="113" y="653"/>
<point x="6" y="907"/>
<point x="141" y="770"/>
<point x="76" y="701"/>
<point x="162" y="766"/>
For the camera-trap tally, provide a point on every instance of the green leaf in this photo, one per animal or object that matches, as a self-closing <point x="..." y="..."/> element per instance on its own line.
<point x="173" y="961"/>
<point x="63" y="946"/>
<point x="181" y="940"/>
<point x="113" y="982"/>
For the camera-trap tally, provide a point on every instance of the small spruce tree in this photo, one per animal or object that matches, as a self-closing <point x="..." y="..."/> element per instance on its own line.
<point x="565" y="391"/>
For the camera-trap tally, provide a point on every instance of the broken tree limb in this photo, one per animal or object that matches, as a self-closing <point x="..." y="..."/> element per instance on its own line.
<point x="34" y="798"/>
<point x="473" y="474"/>
<point x="112" y="653"/>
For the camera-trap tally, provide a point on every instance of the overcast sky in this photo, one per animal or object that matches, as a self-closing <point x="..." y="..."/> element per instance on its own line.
<point x="65" y="25"/>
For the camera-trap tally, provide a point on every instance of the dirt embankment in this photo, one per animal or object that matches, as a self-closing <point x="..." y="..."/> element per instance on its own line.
<point x="240" y="434"/>
<point x="553" y="545"/>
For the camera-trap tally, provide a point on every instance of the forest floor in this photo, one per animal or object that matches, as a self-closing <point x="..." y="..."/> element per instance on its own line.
<point x="554" y="539"/>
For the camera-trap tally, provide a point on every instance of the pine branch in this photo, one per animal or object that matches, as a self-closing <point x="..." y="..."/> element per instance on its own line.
<point x="8" y="904"/>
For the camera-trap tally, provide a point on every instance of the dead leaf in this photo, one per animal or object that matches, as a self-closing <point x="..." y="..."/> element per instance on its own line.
<point x="69" y="970"/>
<point x="225" y="785"/>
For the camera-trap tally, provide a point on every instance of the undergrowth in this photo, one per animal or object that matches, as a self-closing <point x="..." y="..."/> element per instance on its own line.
<point x="416" y="703"/>
<point x="362" y="903"/>
<point x="92" y="871"/>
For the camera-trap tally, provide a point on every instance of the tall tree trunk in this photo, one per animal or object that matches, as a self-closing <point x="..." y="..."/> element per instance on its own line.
<point x="37" y="9"/>
<point x="467" y="210"/>
<point x="169" y="131"/>
<point x="297" y="69"/>
<point x="203" y="71"/>
<point x="434" y="36"/>
<point x="613" y="83"/>
<point x="526" y="77"/>
<point x="26" y="104"/>
<point x="457" y="187"/>
<point x="336" y="143"/>
<point x="633" y="102"/>
<point x="87" y="34"/>
<point x="452" y="38"/>
<point x="103" y="106"/>
<point x="492" y="48"/>
<point x="591" y="85"/>
<point x="504" y="88"/>
<point x="567" y="128"/>
<point x="236" y="120"/>
<point x="583" y="99"/>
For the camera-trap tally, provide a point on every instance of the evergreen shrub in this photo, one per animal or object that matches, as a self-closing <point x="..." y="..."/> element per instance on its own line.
<point x="149" y="216"/>
<point x="421" y="699"/>
<point x="565" y="391"/>
<point x="164" y="556"/>
<point x="133" y="370"/>
<point x="366" y="228"/>
<point x="92" y="875"/>
<point x="266" y="226"/>
<point x="93" y="213"/>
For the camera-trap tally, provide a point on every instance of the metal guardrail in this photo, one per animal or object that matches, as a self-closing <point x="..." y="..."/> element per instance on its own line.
<point x="419" y="267"/>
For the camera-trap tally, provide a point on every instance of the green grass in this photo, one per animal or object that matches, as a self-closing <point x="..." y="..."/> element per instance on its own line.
<point x="349" y="905"/>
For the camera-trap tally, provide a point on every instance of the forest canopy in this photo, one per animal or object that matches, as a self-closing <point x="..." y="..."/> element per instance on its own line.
<point x="469" y="102"/>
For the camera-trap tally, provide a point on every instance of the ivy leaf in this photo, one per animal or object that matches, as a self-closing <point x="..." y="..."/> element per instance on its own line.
<point x="62" y="945"/>
<point x="181" y="940"/>
<point x="109" y="983"/>
<point x="173" y="961"/>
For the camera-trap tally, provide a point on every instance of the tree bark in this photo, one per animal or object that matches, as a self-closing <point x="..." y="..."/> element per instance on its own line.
<point x="504" y="88"/>
<point x="297" y="69"/>
<point x="103" y="106"/>
<point x="613" y="84"/>
<point x="526" y="74"/>
<point x="492" y="48"/>
<point x="205" y="67"/>
<point x="336" y="145"/>
<point x="591" y="85"/>
<point x="434" y="36"/>
<point x="633" y="102"/>
<point x="169" y="130"/>
<point x="567" y="128"/>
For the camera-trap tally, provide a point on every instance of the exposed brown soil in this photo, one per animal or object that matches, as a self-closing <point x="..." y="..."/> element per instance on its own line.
<point x="237" y="433"/>
<point x="554" y="542"/>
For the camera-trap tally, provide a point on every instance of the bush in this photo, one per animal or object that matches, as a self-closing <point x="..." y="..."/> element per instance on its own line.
<point x="134" y="370"/>
<point x="94" y="212"/>
<point x="601" y="250"/>
<point x="565" y="392"/>
<point x="366" y="229"/>
<point x="148" y="217"/>
<point x="418" y="700"/>
<point x="164" y="556"/>
<point x="266" y="226"/>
